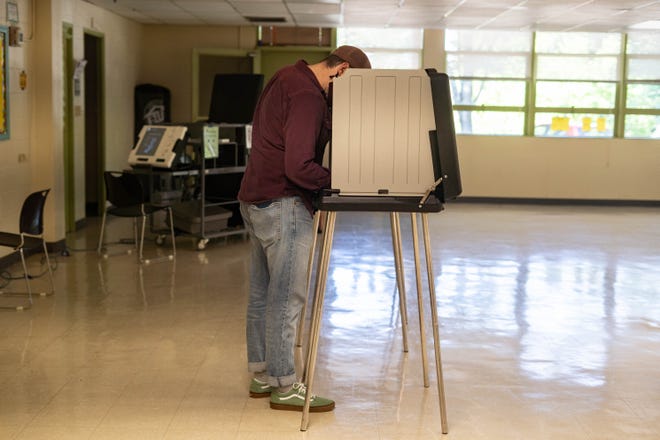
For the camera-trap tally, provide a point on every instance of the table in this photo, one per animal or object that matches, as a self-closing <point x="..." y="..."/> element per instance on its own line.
<point x="394" y="205"/>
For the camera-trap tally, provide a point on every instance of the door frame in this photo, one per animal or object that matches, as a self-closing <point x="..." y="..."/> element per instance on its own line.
<point x="68" y="129"/>
<point x="100" y="153"/>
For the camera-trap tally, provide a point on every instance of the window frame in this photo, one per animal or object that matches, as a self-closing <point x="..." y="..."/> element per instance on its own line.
<point x="526" y="79"/>
<point x="618" y="112"/>
<point x="624" y="110"/>
<point x="383" y="49"/>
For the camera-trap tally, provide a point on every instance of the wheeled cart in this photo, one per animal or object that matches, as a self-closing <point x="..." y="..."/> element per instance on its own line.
<point x="201" y="190"/>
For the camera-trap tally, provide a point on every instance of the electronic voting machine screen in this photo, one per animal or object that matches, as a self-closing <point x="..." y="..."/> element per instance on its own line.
<point x="157" y="146"/>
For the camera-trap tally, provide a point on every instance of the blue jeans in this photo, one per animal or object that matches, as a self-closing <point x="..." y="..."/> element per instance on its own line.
<point x="280" y="236"/>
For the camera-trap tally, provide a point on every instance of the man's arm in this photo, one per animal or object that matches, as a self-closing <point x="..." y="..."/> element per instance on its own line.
<point x="301" y="130"/>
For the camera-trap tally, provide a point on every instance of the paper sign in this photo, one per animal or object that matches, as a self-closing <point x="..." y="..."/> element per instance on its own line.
<point x="211" y="135"/>
<point x="560" y="123"/>
<point x="555" y="123"/>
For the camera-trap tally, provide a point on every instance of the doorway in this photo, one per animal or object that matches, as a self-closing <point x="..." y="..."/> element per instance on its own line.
<point x="67" y="131"/>
<point x="94" y="127"/>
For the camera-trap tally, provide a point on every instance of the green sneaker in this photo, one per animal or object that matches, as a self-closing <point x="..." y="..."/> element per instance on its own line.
<point x="259" y="388"/>
<point x="294" y="400"/>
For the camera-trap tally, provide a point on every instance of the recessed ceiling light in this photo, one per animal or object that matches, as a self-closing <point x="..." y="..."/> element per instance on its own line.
<point x="649" y="25"/>
<point x="266" y="19"/>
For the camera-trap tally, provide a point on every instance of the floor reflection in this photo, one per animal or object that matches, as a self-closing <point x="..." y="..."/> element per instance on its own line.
<point x="553" y="306"/>
<point x="153" y="285"/>
<point x="549" y="323"/>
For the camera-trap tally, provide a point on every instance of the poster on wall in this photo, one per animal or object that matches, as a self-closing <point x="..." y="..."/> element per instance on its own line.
<point x="4" y="84"/>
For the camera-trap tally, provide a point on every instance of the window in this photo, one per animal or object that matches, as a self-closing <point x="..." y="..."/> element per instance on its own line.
<point x="489" y="73"/>
<point x="642" y="86"/>
<point x="398" y="48"/>
<point x="577" y="74"/>
<point x="566" y="84"/>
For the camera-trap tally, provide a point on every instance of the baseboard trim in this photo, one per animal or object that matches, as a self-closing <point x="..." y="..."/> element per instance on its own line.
<point x="14" y="258"/>
<point x="80" y="224"/>
<point x="565" y="202"/>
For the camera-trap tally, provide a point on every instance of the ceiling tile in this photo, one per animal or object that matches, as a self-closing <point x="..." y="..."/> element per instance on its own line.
<point x="320" y="20"/>
<point x="204" y="6"/>
<point x="261" y="9"/>
<point x="581" y="15"/>
<point x="314" y="8"/>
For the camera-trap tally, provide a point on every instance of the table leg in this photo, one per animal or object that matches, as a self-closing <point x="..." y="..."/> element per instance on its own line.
<point x="420" y="300"/>
<point x="310" y="265"/>
<point x="317" y="311"/>
<point x="434" y="321"/>
<point x="400" y="279"/>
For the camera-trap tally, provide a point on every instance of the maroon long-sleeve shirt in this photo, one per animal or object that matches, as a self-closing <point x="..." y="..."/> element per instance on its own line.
<point x="291" y="127"/>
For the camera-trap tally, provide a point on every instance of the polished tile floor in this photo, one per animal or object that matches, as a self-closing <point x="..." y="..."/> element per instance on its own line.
<point x="550" y="329"/>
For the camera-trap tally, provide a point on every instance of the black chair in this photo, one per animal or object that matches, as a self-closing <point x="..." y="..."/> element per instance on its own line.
<point x="128" y="198"/>
<point x="29" y="238"/>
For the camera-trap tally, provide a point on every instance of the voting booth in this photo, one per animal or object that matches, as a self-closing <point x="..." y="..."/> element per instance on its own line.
<point x="393" y="150"/>
<point x="393" y="134"/>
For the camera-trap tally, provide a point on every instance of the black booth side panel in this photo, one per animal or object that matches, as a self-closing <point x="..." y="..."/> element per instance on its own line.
<point x="443" y="138"/>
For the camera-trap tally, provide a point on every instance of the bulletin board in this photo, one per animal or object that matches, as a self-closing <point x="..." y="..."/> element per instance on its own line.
<point x="4" y="83"/>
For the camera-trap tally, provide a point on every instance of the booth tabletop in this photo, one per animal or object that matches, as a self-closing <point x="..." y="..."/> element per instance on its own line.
<point x="336" y="202"/>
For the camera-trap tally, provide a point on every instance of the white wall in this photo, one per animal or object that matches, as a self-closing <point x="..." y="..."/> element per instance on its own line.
<point x="32" y="158"/>
<point x="527" y="167"/>
<point x="15" y="165"/>
<point x="167" y="53"/>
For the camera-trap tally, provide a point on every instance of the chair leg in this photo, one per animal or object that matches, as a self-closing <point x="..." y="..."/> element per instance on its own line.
<point x="136" y="238"/>
<point x="50" y="271"/>
<point x="171" y="214"/>
<point x="26" y="276"/>
<point x="100" y="246"/>
<point x="28" y="304"/>
<point x="139" y="232"/>
<point x="141" y="237"/>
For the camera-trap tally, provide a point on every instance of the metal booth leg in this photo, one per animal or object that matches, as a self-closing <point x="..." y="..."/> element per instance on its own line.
<point x="434" y="322"/>
<point x="420" y="300"/>
<point x="319" y="293"/>
<point x="310" y="264"/>
<point x="401" y="285"/>
<point x="317" y="310"/>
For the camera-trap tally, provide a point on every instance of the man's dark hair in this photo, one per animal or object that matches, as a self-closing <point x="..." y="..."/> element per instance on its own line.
<point x="333" y="60"/>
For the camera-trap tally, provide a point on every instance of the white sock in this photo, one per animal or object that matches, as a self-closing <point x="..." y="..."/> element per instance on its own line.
<point x="285" y="389"/>
<point x="261" y="376"/>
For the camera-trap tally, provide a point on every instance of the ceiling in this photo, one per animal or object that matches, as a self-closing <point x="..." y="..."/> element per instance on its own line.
<point x="549" y="15"/>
